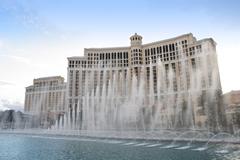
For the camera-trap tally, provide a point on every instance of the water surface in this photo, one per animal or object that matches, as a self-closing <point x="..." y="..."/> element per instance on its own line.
<point x="27" y="147"/>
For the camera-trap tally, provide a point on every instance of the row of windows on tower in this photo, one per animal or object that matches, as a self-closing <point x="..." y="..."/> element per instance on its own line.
<point x="136" y="38"/>
<point x="113" y="55"/>
<point x="136" y="50"/>
<point x="164" y="53"/>
<point x="165" y="48"/>
<point x="160" y="49"/>
<point x="152" y="56"/>
<point x="103" y="58"/>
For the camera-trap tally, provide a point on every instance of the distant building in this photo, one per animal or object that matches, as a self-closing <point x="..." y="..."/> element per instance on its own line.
<point x="10" y="119"/>
<point x="172" y="83"/>
<point x="46" y="97"/>
<point x="232" y="105"/>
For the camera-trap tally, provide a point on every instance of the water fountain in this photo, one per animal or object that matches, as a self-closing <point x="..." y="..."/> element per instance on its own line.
<point x="133" y="109"/>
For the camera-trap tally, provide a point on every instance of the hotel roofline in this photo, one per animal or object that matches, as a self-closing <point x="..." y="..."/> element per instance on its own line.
<point x="86" y="50"/>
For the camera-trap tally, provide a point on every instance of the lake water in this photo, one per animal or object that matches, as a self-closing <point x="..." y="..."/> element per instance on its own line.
<point x="33" y="147"/>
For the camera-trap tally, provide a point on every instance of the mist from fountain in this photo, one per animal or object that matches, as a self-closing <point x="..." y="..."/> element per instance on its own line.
<point x="129" y="101"/>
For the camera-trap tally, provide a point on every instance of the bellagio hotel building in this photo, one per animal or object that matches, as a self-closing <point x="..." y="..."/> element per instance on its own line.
<point x="173" y="53"/>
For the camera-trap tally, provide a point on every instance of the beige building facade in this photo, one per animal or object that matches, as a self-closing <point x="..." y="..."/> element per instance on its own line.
<point x="46" y="97"/>
<point x="232" y="105"/>
<point x="183" y="68"/>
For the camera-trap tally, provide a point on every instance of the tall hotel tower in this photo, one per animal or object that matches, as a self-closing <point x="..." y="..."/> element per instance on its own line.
<point x="46" y="98"/>
<point x="167" y="84"/>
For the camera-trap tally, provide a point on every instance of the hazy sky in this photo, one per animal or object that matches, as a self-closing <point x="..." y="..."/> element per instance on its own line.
<point x="37" y="36"/>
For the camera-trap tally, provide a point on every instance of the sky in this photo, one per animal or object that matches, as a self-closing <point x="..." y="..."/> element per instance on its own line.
<point x="37" y="36"/>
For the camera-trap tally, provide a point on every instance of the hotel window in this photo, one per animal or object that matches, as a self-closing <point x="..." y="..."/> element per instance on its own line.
<point x="199" y="48"/>
<point x="170" y="47"/>
<point x="164" y="49"/>
<point x="154" y="70"/>
<point x="118" y="55"/>
<point x="173" y="48"/>
<point x="174" y="67"/>
<point x="166" y="68"/>
<point x="193" y="63"/>
<point x="124" y="55"/>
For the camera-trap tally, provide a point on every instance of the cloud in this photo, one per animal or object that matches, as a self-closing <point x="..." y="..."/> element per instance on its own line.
<point x="1" y="44"/>
<point x="8" y="51"/>
<point x="20" y="59"/>
<point x="12" y="55"/>
<point x="7" y="105"/>
<point x="3" y="83"/>
<point x="17" y="58"/>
